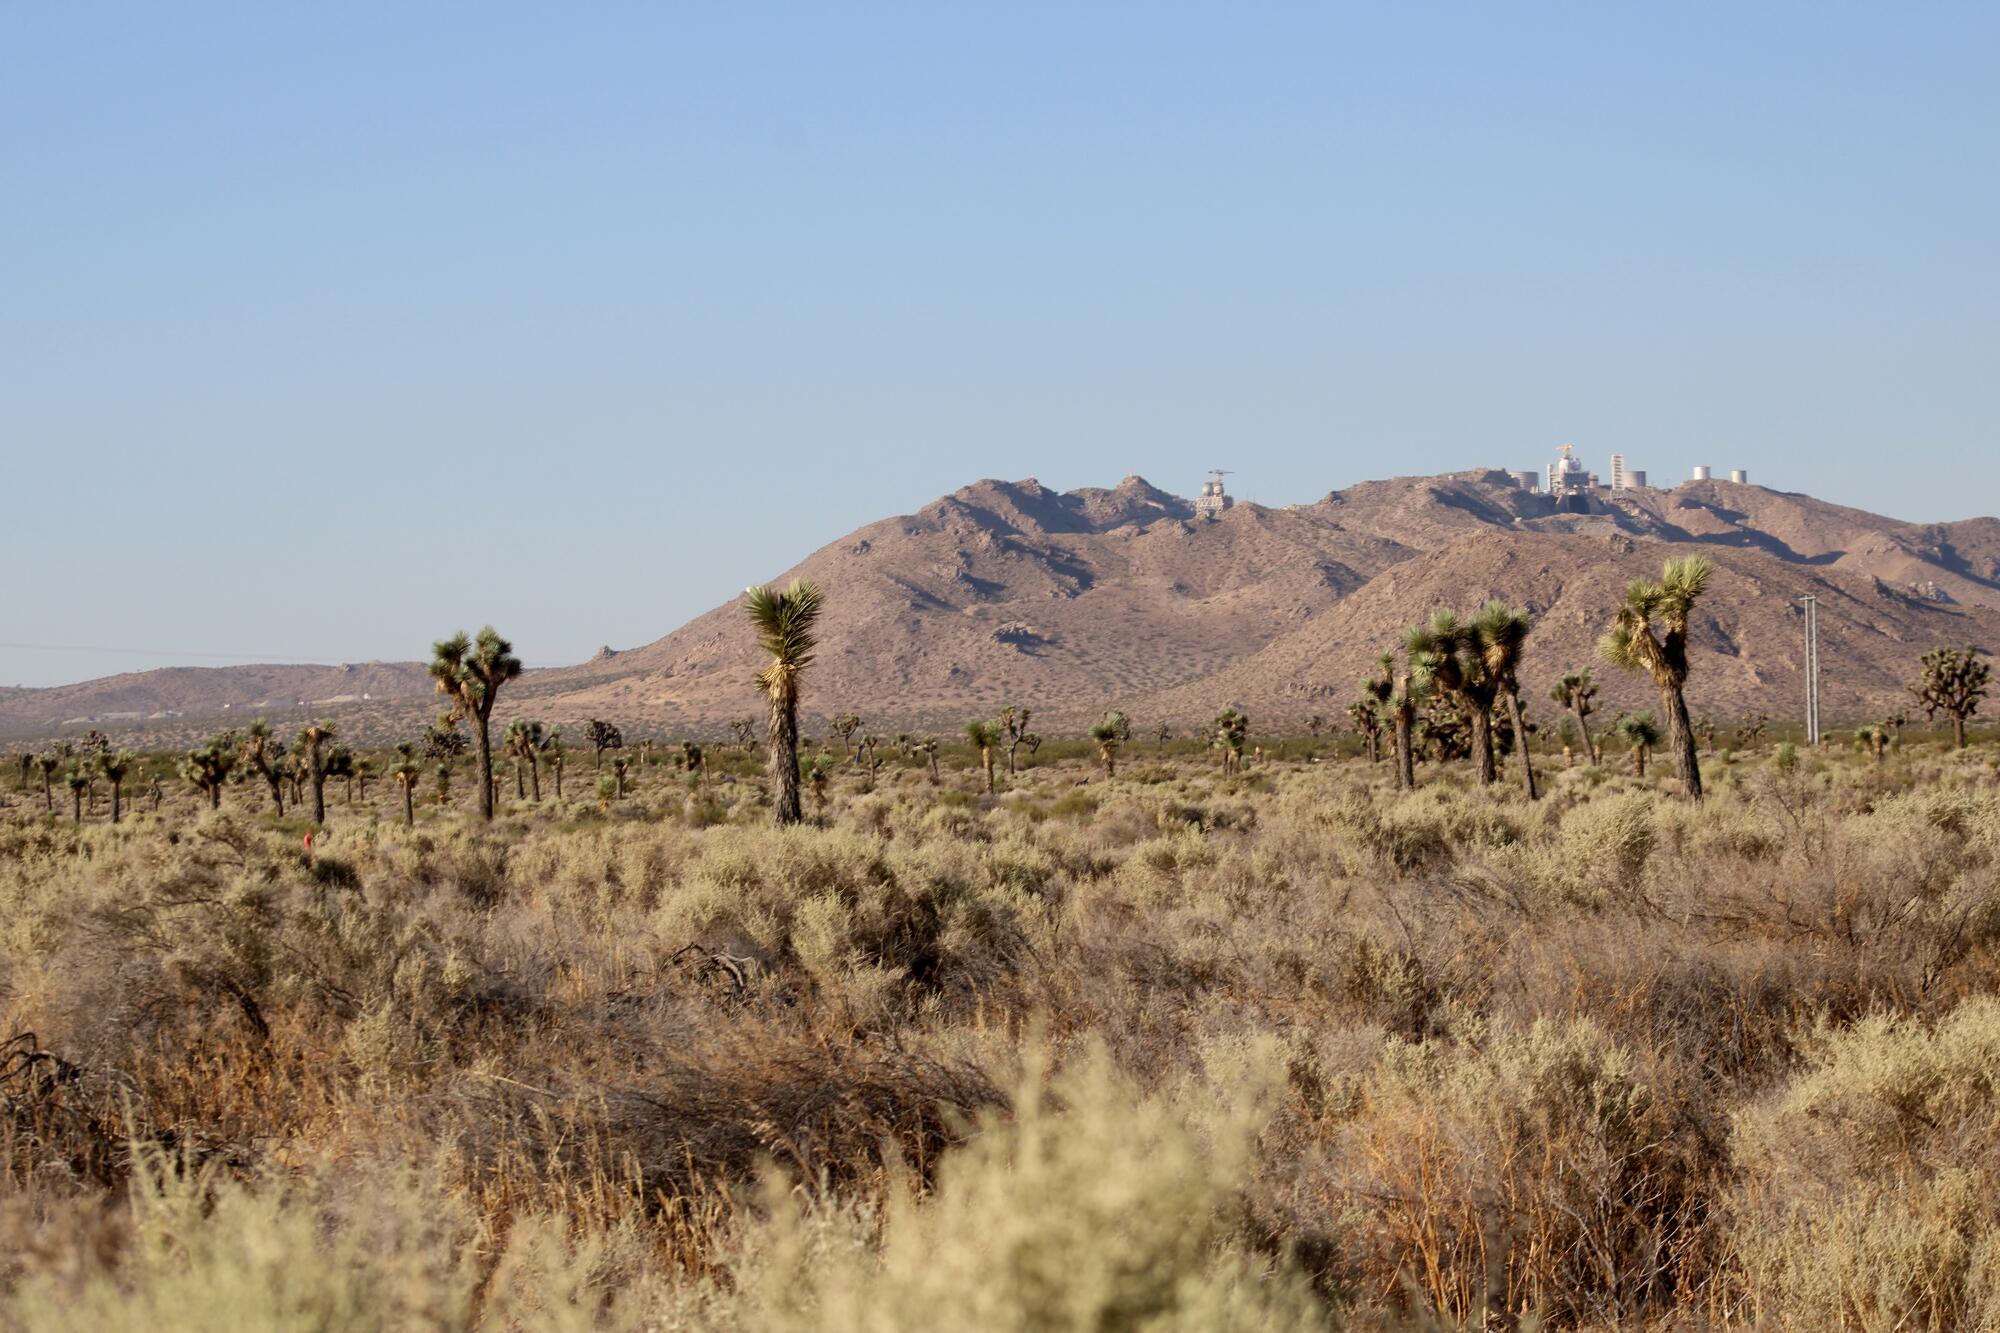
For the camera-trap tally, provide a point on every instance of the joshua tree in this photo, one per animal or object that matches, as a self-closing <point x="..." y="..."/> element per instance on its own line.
<point x="1499" y="634"/>
<point x="1445" y="729"/>
<point x="1578" y="693"/>
<point x="1400" y="687"/>
<point x="552" y="751"/>
<point x="602" y="736"/>
<point x="1315" y="724"/>
<point x="1874" y="740"/>
<point x="77" y="779"/>
<point x="784" y="623"/>
<point x="1030" y="742"/>
<point x="1163" y="733"/>
<point x="1953" y="683"/>
<point x="208" y="765"/>
<point x="258" y="751"/>
<point x="1014" y="727"/>
<point x="1752" y="730"/>
<point x="1650" y="635"/>
<point x="1450" y="652"/>
<point x="1568" y="733"/>
<point x="311" y="748"/>
<point x="526" y="741"/>
<point x="816" y="779"/>
<point x="341" y="763"/>
<point x="744" y="731"/>
<point x="692" y="761"/>
<point x="46" y="764"/>
<point x="470" y="673"/>
<point x="844" y="725"/>
<point x="928" y="748"/>
<point x="1638" y="733"/>
<point x="115" y="766"/>
<point x="1366" y="719"/>
<point x="443" y="774"/>
<point x="619" y="763"/>
<point x="405" y="773"/>
<point x="1232" y="730"/>
<point x="1105" y="734"/>
<point x="984" y="736"/>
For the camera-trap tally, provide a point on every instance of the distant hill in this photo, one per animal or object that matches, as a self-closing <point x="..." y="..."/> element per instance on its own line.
<point x="1074" y="601"/>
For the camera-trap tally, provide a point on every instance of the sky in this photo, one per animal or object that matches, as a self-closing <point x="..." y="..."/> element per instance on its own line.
<point x="327" y="330"/>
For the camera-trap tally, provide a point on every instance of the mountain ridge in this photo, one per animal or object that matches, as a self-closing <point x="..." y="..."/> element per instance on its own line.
<point x="1073" y="601"/>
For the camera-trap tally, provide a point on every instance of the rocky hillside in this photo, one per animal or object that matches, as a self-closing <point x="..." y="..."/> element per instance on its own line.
<point x="1070" y="602"/>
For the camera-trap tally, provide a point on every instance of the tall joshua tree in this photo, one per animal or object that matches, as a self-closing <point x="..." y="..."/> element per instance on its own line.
<point x="77" y="779"/>
<point x="1450" y="654"/>
<point x="784" y="622"/>
<point x="844" y="726"/>
<point x="1500" y="635"/>
<point x="47" y="764"/>
<point x="258" y="752"/>
<point x="525" y="743"/>
<point x="984" y="736"/>
<point x="315" y="754"/>
<point x="470" y="673"/>
<point x="1106" y="735"/>
<point x="115" y="767"/>
<point x="1578" y="693"/>
<point x="1014" y="728"/>
<point x="405" y="773"/>
<point x="1953" y="683"/>
<point x="1366" y="719"/>
<point x="552" y="752"/>
<point x="1232" y="730"/>
<point x="1650" y="634"/>
<point x="1409" y="685"/>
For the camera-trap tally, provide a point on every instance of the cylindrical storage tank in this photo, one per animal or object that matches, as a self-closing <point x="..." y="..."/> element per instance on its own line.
<point x="1636" y="478"/>
<point x="1700" y="472"/>
<point x="1738" y="475"/>
<point x="1528" y="480"/>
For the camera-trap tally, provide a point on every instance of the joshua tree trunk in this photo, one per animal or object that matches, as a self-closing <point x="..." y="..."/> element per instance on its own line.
<point x="76" y="801"/>
<point x="786" y="809"/>
<point x="1639" y="760"/>
<point x="1680" y="740"/>
<point x="1583" y="725"/>
<point x="319" y="795"/>
<point x="986" y="761"/>
<point x="482" y="742"/>
<point x="277" y="787"/>
<point x="409" y="808"/>
<point x="1958" y="730"/>
<point x="559" y="769"/>
<point x="117" y="801"/>
<point x="1521" y="744"/>
<point x="520" y="782"/>
<point x="1406" y="761"/>
<point x="48" y="795"/>
<point x="535" y="777"/>
<point x="215" y="797"/>
<point x="935" y="779"/>
<point x="1482" y="743"/>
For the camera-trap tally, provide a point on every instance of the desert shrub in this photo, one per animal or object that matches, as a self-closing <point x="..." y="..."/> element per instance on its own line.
<point x="1526" y="1170"/>
<point x="1871" y="1183"/>
<point x="1095" y="1207"/>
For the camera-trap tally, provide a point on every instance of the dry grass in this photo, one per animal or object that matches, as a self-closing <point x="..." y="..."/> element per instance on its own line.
<point x="1175" y="1051"/>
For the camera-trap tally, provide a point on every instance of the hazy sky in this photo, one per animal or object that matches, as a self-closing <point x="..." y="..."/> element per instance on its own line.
<point x="325" y="330"/>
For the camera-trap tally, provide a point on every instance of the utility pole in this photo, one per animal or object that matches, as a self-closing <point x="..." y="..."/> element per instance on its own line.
<point x="1811" y="605"/>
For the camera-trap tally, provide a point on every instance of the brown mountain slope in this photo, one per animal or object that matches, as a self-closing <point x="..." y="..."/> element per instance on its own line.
<point x="1746" y="643"/>
<point x="207" y="692"/>
<point x="1011" y="592"/>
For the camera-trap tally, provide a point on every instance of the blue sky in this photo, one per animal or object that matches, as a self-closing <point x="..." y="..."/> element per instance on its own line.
<point x="326" y="330"/>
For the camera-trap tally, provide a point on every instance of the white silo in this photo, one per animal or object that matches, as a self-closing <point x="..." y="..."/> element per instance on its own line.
<point x="1635" y="479"/>
<point x="1528" y="480"/>
<point x="1701" y="472"/>
<point x="1739" y="476"/>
